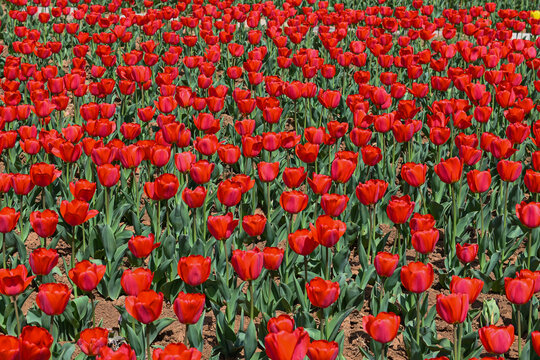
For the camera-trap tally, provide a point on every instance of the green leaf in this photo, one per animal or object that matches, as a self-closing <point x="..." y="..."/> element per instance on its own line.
<point x="250" y="342"/>
<point x="108" y="240"/>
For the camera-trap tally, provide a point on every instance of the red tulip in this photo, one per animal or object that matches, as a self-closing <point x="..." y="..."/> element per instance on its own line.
<point x="92" y="340"/>
<point x="201" y="171"/>
<point x="194" y="198"/>
<point x="282" y="322"/>
<point x="342" y="170"/>
<point x="52" y="298"/>
<point x="254" y="225"/>
<point x="533" y="275"/>
<point x="382" y="328"/>
<point x="194" y="269"/>
<point x="22" y="184"/>
<point x="449" y="171"/>
<point x="322" y="293"/>
<point x="272" y="257"/>
<point x="14" y="282"/>
<point x="146" y="306"/>
<point x="43" y="260"/>
<point x="44" y="223"/>
<point x="535" y="341"/>
<point x="421" y="222"/>
<point x="302" y="242"/>
<point x="320" y="184"/>
<point x="509" y="170"/>
<point x="417" y="277"/>
<point x="75" y="212"/>
<point x="327" y="231"/>
<point x="222" y="226"/>
<point x="189" y="307"/>
<point x="371" y="155"/>
<point x="35" y="343"/>
<point x="334" y="204"/>
<point x="529" y="214"/>
<point x="267" y="171"/>
<point x="385" y="263"/>
<point x="141" y="246"/>
<point x="323" y="350"/>
<point x="293" y="201"/>
<point x="82" y="190"/>
<point x="8" y="219"/>
<point x="478" y="181"/>
<point x="176" y="351"/>
<point x="414" y="174"/>
<point x="532" y="181"/>
<point x="10" y="347"/>
<point x="471" y="287"/>
<point x="497" y="339"/>
<point x="453" y="308"/>
<point x="229" y="193"/>
<point x="519" y="291"/>
<point x="135" y="281"/>
<point x="86" y="275"/>
<point x="108" y="175"/>
<point x="166" y="186"/>
<point x="399" y="209"/>
<point x="371" y="192"/>
<point x="294" y="177"/>
<point x="285" y="345"/>
<point x="248" y="264"/>
<point x="124" y="352"/>
<point x="43" y="174"/>
<point x="424" y="241"/>
<point x="466" y="253"/>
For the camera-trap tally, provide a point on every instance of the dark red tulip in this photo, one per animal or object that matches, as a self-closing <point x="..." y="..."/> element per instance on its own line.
<point x="479" y="181"/>
<point x="221" y="226"/>
<point x="189" y="307"/>
<point x="43" y="260"/>
<point x="382" y="328"/>
<point x="272" y="257"/>
<point x="509" y="170"/>
<point x="322" y="293"/>
<point x="43" y="174"/>
<point x="424" y="241"/>
<point x="414" y="174"/>
<point x="13" y="282"/>
<point x="323" y="350"/>
<point x="400" y="209"/>
<point x="417" y="277"/>
<point x="466" y="253"/>
<point x="453" y="308"/>
<point x="293" y="201"/>
<point x="8" y="219"/>
<point x="248" y="264"/>
<point x="385" y="263"/>
<point x="519" y="291"/>
<point x="449" y="171"/>
<point x="135" y="281"/>
<point x="141" y="246"/>
<point x="52" y="298"/>
<point x="528" y="214"/>
<point x="194" y="269"/>
<point x="146" y="306"/>
<point x="285" y="345"/>
<point x="86" y="275"/>
<point x="497" y="339"/>
<point x="92" y="340"/>
<point x="44" y="223"/>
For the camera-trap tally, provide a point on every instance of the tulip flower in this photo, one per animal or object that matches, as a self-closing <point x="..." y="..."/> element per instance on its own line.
<point x="176" y="351"/>
<point x="285" y="345"/>
<point x="497" y="339"/>
<point x="535" y="341"/>
<point x="145" y="308"/>
<point x="135" y="281"/>
<point x="86" y="276"/>
<point x="43" y="260"/>
<point x="453" y="309"/>
<point x="92" y="340"/>
<point x="44" y="223"/>
<point x="529" y="215"/>
<point x="417" y="277"/>
<point x="282" y="322"/>
<point x="189" y="307"/>
<point x="323" y="350"/>
<point x="123" y="352"/>
<point x="13" y="283"/>
<point x="248" y="265"/>
<point x="75" y="213"/>
<point x="35" y="343"/>
<point x="272" y="257"/>
<point x="142" y="246"/>
<point x="254" y="225"/>
<point x="8" y="221"/>
<point x="519" y="291"/>
<point x="194" y="269"/>
<point x="52" y="298"/>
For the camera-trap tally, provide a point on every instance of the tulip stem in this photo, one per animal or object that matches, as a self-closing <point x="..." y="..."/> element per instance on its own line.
<point x="529" y="323"/>
<point x="328" y="263"/>
<point x="14" y="300"/>
<point x="194" y="214"/>
<point x="167" y="218"/>
<point x="148" y="349"/>
<point x="529" y="250"/>
<point x="252" y="301"/>
<point x="519" y="329"/>
<point x="93" y="310"/>
<point x="268" y="207"/>
<point x="226" y="262"/>
<point x="4" y="253"/>
<point x="72" y="260"/>
<point x="371" y="225"/>
<point x="505" y="205"/>
<point x="418" y="318"/>
<point x="454" y="219"/>
<point x="107" y="215"/>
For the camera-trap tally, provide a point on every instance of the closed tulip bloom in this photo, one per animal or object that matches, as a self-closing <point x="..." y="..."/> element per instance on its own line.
<point x="43" y="174"/>
<point x="532" y="181"/>
<point x="497" y="339"/>
<point x="254" y="225"/>
<point x="342" y="170"/>
<point x="470" y="286"/>
<point x="221" y="226"/>
<point x="35" y="343"/>
<point x="87" y="275"/>
<point x="142" y="246"/>
<point x="184" y="160"/>
<point x="108" y="174"/>
<point x="229" y="193"/>
<point x="76" y="212"/>
<point x="135" y="281"/>
<point x="166" y="186"/>
<point x="302" y="242"/>
<point x="424" y="241"/>
<point x="201" y="171"/>
<point x="285" y="345"/>
<point x="194" y="198"/>
<point x="421" y="222"/>
<point x="322" y="293"/>
<point x="44" y="223"/>
<point x="466" y="253"/>
<point x="146" y="306"/>
<point x="43" y="260"/>
<point x="22" y="184"/>
<point x="176" y="351"/>
<point x="279" y="323"/>
<point x="248" y="264"/>
<point x="267" y="171"/>
<point x="382" y="328"/>
<point x="371" y="155"/>
<point x="320" y="184"/>
<point x="535" y="341"/>
<point x="10" y="347"/>
<point x="189" y="307"/>
<point x="414" y="174"/>
<point x="371" y="191"/>
<point x="52" y="298"/>
<point x="327" y="231"/>
<point x="294" y="177"/>
<point x="124" y="352"/>
<point x="293" y="201"/>
<point x="334" y="204"/>
<point x="509" y="170"/>
<point x="519" y="291"/>
<point x="194" y="269"/>
<point x="478" y="181"/>
<point x="529" y="214"/>
<point x="272" y="257"/>
<point x="449" y="171"/>
<point x="82" y="190"/>
<point x="92" y="340"/>
<point x="323" y="350"/>
<point x="14" y="282"/>
<point x="400" y="209"/>
<point x="453" y="308"/>
<point x="385" y="263"/>
<point x="417" y="277"/>
<point x="533" y="275"/>
<point x="8" y="219"/>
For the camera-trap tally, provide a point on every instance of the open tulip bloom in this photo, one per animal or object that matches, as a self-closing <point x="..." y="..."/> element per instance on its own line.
<point x="223" y="159"/>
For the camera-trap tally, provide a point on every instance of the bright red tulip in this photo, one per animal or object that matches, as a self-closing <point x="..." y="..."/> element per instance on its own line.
<point x="509" y="170"/>
<point x="44" y="223"/>
<point x="248" y="264"/>
<point x="82" y="190"/>
<point x="75" y="212"/>
<point x="279" y="323"/>
<point x="497" y="339"/>
<point x="385" y="263"/>
<point x="194" y="198"/>
<point x="371" y="192"/>
<point x="14" y="282"/>
<point x="43" y="174"/>
<point x="272" y="257"/>
<point x="43" y="260"/>
<point x="254" y="225"/>
<point x="535" y="341"/>
<point x="35" y="343"/>
<point x="424" y="241"/>
<point x="8" y="219"/>
<point x="417" y="277"/>
<point x="519" y="291"/>
<point x="146" y="306"/>
<point x="529" y="214"/>
<point x="400" y="209"/>
<point x="52" y="298"/>
<point x="449" y="171"/>
<point x="478" y="181"/>
<point x="453" y="308"/>
<point x="302" y="242"/>
<point x="87" y="275"/>
<point x="382" y="328"/>
<point x="414" y="174"/>
<point x="323" y="350"/>
<point x="194" y="269"/>
<point x="322" y="293"/>
<point x="124" y="352"/>
<point x="293" y="201"/>
<point x="327" y="231"/>
<point x="334" y="204"/>
<point x="222" y="226"/>
<point x="176" y="351"/>
<point x="135" y="281"/>
<point x="189" y="307"/>
<point x="285" y="345"/>
<point x="466" y="253"/>
<point x="470" y="286"/>
<point x="92" y="340"/>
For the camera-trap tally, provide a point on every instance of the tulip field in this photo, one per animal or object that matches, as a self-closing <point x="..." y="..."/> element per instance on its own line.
<point x="287" y="180"/>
